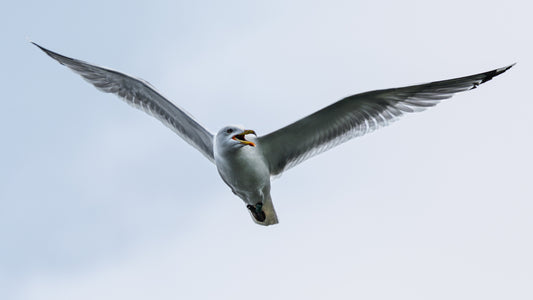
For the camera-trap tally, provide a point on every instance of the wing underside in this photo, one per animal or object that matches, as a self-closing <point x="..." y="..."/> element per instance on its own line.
<point x="358" y="115"/>
<point x="143" y="96"/>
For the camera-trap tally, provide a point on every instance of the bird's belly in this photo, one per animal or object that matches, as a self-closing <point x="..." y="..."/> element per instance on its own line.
<point x="247" y="176"/>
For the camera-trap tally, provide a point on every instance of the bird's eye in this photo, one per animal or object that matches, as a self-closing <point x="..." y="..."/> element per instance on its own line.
<point x="229" y="130"/>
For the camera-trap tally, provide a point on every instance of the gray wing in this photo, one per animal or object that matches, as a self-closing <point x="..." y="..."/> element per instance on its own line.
<point x="142" y="95"/>
<point x="355" y="116"/>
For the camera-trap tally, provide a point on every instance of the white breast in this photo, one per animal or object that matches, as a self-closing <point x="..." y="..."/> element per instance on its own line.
<point x="245" y="171"/>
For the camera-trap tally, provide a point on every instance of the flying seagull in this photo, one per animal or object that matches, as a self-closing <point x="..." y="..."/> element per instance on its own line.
<point x="246" y="162"/>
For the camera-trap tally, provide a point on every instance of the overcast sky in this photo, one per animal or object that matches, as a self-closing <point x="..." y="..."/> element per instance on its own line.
<point x="101" y="201"/>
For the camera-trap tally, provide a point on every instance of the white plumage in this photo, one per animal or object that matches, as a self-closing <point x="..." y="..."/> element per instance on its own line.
<point x="246" y="162"/>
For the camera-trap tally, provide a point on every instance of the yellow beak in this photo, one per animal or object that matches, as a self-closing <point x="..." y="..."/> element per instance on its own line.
<point x="240" y="137"/>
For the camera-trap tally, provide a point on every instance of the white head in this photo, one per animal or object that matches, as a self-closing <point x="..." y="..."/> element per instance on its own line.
<point x="233" y="137"/>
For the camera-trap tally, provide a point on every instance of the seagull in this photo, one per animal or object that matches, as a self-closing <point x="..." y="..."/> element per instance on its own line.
<point x="245" y="161"/>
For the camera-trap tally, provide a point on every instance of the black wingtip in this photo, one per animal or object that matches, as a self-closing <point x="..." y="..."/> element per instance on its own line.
<point x="37" y="45"/>
<point x="501" y="70"/>
<point x="491" y="74"/>
<point x="43" y="49"/>
<point x="494" y="73"/>
<point x="56" y="56"/>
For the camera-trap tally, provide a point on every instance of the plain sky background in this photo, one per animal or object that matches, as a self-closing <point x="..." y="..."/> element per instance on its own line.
<point x="101" y="201"/>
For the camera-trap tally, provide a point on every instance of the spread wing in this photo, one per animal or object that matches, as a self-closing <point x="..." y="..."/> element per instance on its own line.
<point x="142" y="95"/>
<point x="355" y="116"/>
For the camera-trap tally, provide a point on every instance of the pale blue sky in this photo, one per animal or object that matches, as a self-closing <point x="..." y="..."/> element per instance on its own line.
<point x="101" y="201"/>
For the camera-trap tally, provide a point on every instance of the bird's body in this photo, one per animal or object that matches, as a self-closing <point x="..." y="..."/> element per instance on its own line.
<point x="245" y="161"/>
<point x="245" y="170"/>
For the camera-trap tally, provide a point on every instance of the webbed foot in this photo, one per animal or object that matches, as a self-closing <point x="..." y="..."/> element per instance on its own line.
<point x="257" y="211"/>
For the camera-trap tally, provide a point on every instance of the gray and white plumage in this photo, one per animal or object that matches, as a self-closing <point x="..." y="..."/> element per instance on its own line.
<point x="142" y="95"/>
<point x="246" y="162"/>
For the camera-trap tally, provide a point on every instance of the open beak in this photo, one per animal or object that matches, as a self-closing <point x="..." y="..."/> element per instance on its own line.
<point x="240" y="137"/>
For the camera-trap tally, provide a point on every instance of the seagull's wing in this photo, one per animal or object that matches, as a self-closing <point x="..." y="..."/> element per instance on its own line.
<point x="355" y="116"/>
<point x="142" y="95"/>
